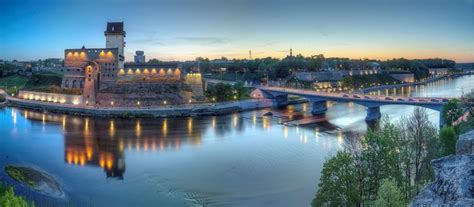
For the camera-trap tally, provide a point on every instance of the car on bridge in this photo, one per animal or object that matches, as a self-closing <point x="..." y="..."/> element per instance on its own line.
<point x="345" y="96"/>
<point x="356" y="96"/>
<point x="389" y="98"/>
<point x="400" y="99"/>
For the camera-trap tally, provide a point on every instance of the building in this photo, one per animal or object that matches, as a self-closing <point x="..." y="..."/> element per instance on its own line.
<point x="438" y="71"/>
<point x="139" y="56"/>
<point x="105" y="80"/>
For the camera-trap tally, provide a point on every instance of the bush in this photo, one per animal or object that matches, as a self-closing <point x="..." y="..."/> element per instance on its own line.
<point x="8" y="198"/>
<point x="448" y="138"/>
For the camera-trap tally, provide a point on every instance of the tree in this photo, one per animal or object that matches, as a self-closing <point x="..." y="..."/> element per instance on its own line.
<point x="379" y="157"/>
<point x="451" y="111"/>
<point x="448" y="138"/>
<point x="154" y="61"/>
<point x="8" y="198"/>
<point x="421" y="145"/>
<point x="389" y="195"/>
<point x="337" y="186"/>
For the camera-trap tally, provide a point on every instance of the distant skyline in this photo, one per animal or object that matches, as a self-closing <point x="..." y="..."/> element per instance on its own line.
<point x="186" y="29"/>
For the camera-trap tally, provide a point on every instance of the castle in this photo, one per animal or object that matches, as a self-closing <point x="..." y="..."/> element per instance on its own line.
<point x="106" y="80"/>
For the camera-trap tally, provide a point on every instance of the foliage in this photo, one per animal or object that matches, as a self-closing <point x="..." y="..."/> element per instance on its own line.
<point x="11" y="84"/>
<point x="399" y="152"/>
<point x="357" y="81"/>
<point x="220" y="92"/>
<point x="451" y="111"/>
<point x="9" y="199"/>
<point x="420" y="145"/>
<point x="226" y="92"/>
<point x="2" y="98"/>
<point x="49" y="83"/>
<point x="389" y="195"/>
<point x="420" y="67"/>
<point x="337" y="186"/>
<point x="18" y="175"/>
<point x="7" y="68"/>
<point x="379" y="158"/>
<point x="448" y="138"/>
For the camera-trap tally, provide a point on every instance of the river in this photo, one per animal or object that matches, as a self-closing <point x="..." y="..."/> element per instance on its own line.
<point x="243" y="159"/>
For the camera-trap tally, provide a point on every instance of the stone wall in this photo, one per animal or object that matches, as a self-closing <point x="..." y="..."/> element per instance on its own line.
<point x="454" y="178"/>
<point x="145" y="94"/>
<point x="51" y="97"/>
<point x="194" y="80"/>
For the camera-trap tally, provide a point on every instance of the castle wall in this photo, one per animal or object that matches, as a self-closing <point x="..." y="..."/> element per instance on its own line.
<point x="51" y="97"/>
<point x="194" y="80"/>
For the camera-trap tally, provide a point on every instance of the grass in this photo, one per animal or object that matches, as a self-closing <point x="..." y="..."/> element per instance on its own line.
<point x="11" y="84"/>
<point x="40" y="82"/>
<point x="8" y="198"/>
<point x="18" y="175"/>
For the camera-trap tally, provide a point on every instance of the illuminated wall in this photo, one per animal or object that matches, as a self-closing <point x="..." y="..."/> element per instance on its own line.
<point x="148" y="73"/>
<point x="51" y="97"/>
<point x="195" y="81"/>
<point x="405" y="77"/>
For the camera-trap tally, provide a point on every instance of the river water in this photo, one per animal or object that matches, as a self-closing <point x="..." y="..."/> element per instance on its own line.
<point x="243" y="159"/>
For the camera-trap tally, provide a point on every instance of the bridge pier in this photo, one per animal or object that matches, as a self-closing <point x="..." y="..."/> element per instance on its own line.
<point x="319" y="107"/>
<point x="280" y="101"/>
<point x="441" y="119"/>
<point x="373" y="113"/>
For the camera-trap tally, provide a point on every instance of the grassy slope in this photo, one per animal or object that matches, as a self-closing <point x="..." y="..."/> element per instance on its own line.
<point x="41" y="82"/>
<point x="12" y="83"/>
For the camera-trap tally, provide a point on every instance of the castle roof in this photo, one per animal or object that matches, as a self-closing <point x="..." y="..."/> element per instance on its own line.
<point x="115" y="28"/>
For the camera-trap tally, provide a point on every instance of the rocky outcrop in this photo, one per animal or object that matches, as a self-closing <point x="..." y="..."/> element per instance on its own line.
<point x="454" y="178"/>
<point x="465" y="144"/>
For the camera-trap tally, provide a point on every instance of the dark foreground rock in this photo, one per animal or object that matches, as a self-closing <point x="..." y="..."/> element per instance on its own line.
<point x="454" y="178"/>
<point x="35" y="180"/>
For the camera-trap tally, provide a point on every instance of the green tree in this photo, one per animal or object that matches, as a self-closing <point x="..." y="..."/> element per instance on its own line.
<point x="451" y="111"/>
<point x="389" y="195"/>
<point x="448" y="138"/>
<point x="220" y="92"/>
<point x="8" y="198"/>
<point x="380" y="157"/>
<point x="337" y="186"/>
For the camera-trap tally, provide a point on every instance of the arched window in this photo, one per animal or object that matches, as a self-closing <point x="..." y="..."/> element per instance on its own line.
<point x="66" y="84"/>
<point x="74" y="84"/>
<point x="81" y="84"/>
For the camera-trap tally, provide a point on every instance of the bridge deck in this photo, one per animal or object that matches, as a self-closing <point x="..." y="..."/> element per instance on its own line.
<point x="429" y="101"/>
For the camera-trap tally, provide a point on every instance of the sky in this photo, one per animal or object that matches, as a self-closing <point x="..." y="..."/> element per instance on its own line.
<point x="186" y="29"/>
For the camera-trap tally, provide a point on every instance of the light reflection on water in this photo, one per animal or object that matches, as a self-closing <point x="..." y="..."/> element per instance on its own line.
<point x="239" y="159"/>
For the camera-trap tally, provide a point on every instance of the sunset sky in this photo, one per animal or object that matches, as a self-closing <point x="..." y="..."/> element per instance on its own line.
<point x="186" y="29"/>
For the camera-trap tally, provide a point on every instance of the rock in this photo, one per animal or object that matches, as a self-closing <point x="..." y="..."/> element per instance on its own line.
<point x="465" y="143"/>
<point x="268" y="113"/>
<point x="35" y="180"/>
<point x="454" y="178"/>
<point x="453" y="184"/>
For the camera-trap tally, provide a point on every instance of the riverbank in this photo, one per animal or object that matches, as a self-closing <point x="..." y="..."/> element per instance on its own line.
<point x="383" y="87"/>
<point x="204" y="109"/>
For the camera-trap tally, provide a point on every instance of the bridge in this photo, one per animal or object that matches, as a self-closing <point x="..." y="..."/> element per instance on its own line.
<point x="279" y="97"/>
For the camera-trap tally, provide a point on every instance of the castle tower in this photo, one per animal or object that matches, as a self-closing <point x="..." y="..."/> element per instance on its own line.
<point x="115" y="38"/>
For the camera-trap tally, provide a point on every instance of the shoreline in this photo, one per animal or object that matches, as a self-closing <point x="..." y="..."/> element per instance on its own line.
<point x="382" y="87"/>
<point x="204" y="109"/>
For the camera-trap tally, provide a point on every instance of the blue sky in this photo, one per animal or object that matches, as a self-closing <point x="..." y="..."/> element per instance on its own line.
<point x="185" y="29"/>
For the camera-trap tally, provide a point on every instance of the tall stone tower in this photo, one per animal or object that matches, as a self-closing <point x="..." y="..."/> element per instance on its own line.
<point x="115" y="38"/>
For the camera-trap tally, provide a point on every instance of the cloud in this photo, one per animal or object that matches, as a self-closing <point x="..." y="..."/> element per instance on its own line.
<point x="203" y="40"/>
